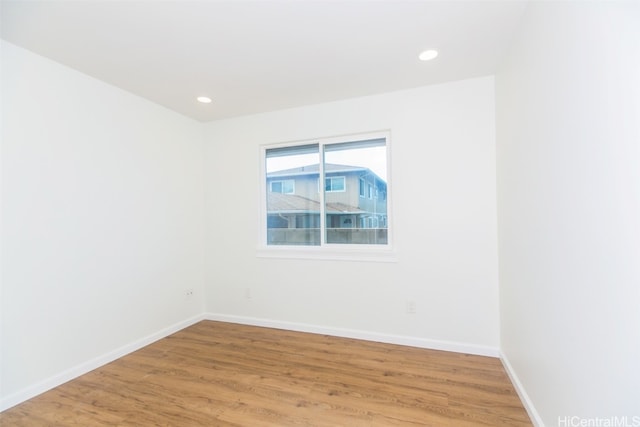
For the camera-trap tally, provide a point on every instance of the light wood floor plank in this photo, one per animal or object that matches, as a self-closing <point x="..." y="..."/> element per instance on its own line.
<point x="222" y="374"/>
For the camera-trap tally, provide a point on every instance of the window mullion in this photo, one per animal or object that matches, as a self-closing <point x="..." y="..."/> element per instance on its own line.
<point x="322" y="184"/>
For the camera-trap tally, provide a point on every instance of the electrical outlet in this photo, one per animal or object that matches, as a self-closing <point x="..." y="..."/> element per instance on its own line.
<point x="188" y="293"/>
<point x="411" y="307"/>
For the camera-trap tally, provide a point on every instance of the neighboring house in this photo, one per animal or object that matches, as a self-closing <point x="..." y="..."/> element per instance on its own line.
<point x="355" y="199"/>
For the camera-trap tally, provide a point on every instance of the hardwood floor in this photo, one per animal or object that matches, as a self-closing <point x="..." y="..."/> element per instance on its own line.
<point x="221" y="374"/>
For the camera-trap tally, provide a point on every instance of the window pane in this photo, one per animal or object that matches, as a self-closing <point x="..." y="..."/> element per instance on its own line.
<point x="330" y="192"/>
<point x="276" y="187"/>
<point x="293" y="211"/>
<point x="334" y="184"/>
<point x="350" y="218"/>
<point x="337" y="184"/>
<point x="287" y="186"/>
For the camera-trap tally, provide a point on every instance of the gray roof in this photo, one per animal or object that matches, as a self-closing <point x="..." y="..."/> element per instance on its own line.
<point x="290" y="203"/>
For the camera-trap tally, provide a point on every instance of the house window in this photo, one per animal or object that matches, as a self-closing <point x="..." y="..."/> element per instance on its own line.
<point x="285" y="187"/>
<point x="345" y="213"/>
<point x="334" y="183"/>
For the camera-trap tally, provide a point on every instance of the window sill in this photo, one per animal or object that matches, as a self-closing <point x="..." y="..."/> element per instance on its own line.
<point x="328" y="253"/>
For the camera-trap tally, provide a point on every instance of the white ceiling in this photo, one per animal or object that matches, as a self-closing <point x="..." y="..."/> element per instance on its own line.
<point x="261" y="56"/>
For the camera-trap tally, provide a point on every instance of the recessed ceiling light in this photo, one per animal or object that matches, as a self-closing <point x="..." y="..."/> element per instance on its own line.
<point x="204" y="99"/>
<point x="428" y="55"/>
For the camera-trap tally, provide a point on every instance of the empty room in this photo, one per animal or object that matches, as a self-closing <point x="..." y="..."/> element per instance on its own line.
<point x="320" y="213"/>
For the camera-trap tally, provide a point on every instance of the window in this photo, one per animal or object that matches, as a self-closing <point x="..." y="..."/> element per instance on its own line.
<point x="335" y="183"/>
<point x="351" y="210"/>
<point x="284" y="187"/>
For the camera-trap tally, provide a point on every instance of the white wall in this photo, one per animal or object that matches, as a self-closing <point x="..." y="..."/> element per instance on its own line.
<point x="443" y="183"/>
<point x="568" y="165"/>
<point x="102" y="221"/>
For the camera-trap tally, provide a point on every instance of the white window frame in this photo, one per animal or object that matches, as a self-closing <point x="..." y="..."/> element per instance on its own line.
<point x="327" y="251"/>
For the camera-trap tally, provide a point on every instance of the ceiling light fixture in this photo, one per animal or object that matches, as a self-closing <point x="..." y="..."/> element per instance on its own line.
<point x="204" y="99"/>
<point x="428" y="55"/>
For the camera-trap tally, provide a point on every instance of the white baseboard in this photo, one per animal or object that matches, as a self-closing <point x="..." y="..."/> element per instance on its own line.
<point x="90" y="365"/>
<point x="524" y="397"/>
<point x="359" y="334"/>
<point x="63" y="377"/>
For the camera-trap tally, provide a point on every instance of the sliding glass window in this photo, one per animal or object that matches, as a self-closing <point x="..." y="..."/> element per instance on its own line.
<point x="351" y="208"/>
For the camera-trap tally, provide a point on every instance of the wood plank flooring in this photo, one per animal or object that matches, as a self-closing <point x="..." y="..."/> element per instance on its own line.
<point x="221" y="374"/>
